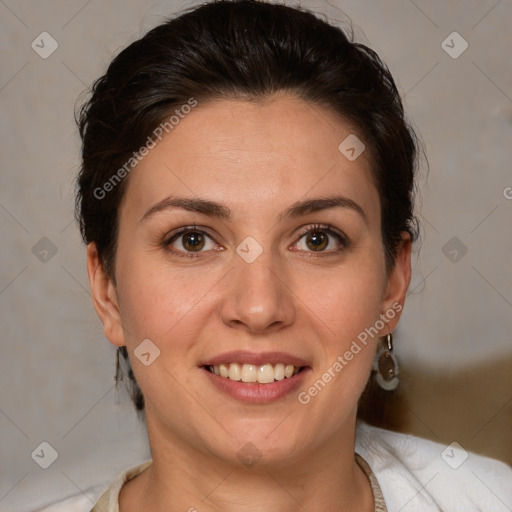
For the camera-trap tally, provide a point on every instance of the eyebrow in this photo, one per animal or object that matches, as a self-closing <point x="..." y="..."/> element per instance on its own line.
<point x="213" y="209"/>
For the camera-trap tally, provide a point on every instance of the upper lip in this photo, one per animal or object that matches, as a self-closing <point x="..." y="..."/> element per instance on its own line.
<point x="244" y="357"/>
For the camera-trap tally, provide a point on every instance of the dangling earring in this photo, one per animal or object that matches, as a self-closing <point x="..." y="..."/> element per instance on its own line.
<point x="386" y="365"/>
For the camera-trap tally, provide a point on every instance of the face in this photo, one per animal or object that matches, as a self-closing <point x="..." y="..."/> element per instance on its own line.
<point x="247" y="239"/>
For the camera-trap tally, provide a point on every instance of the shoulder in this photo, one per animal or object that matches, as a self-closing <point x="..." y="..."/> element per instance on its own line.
<point x="82" y="502"/>
<point x="102" y="498"/>
<point x="419" y="474"/>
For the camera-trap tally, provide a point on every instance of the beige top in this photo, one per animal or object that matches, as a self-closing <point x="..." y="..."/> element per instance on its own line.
<point x="109" y="501"/>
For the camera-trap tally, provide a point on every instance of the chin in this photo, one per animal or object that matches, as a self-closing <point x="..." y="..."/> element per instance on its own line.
<point x="263" y="446"/>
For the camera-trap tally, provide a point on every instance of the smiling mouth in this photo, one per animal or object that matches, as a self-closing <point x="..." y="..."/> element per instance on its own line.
<point x="251" y="373"/>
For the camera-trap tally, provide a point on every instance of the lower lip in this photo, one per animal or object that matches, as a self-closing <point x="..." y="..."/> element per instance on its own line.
<point x="255" y="393"/>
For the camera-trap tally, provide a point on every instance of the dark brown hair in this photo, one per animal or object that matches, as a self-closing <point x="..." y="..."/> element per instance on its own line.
<point x="249" y="50"/>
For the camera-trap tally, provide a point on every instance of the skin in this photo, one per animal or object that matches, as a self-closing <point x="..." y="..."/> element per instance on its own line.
<point x="257" y="159"/>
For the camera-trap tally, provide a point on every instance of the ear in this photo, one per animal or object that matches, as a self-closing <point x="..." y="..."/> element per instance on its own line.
<point x="104" y="298"/>
<point x="398" y="281"/>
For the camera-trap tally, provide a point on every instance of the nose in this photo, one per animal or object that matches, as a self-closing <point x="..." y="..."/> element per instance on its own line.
<point x="258" y="298"/>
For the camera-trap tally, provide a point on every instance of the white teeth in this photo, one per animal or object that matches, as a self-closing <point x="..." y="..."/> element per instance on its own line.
<point x="288" y="370"/>
<point x="263" y="374"/>
<point x="279" y="371"/>
<point x="234" y="371"/>
<point x="249" y="373"/>
<point x="224" y="370"/>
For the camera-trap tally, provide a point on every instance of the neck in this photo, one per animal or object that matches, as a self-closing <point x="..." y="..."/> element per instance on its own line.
<point x="182" y="478"/>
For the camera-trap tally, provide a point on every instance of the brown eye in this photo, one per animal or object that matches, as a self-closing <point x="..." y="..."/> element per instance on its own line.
<point x="321" y="239"/>
<point x="193" y="241"/>
<point x="189" y="242"/>
<point x="317" y="240"/>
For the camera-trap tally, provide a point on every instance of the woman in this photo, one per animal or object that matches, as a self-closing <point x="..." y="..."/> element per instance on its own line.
<point x="246" y="195"/>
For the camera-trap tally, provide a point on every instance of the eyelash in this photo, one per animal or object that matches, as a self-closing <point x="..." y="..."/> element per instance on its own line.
<point x="326" y="228"/>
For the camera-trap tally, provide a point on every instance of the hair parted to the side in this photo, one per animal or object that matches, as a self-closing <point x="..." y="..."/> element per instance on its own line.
<point x="245" y="49"/>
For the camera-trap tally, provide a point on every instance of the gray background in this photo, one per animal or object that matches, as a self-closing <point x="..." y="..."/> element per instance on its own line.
<point x="56" y="381"/>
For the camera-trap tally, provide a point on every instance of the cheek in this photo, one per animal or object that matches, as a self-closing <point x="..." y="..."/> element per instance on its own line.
<point x="157" y="303"/>
<point x="168" y="308"/>
<point x="347" y="300"/>
<point x="345" y="315"/>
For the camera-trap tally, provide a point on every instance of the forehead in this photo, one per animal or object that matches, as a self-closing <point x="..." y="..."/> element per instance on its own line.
<point x="254" y="154"/>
